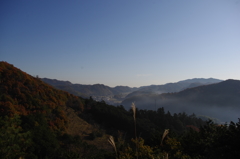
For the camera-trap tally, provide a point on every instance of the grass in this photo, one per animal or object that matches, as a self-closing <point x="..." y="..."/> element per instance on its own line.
<point x="135" y="129"/>
<point x="111" y="141"/>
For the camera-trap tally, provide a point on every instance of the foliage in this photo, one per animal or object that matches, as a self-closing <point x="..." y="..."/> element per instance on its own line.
<point x="34" y="123"/>
<point x="214" y="141"/>
<point x="13" y="140"/>
<point x="23" y="94"/>
<point x="33" y="118"/>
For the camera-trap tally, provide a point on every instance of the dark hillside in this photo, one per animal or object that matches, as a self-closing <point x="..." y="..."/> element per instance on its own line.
<point x="173" y="87"/>
<point x="78" y="89"/>
<point x="39" y="121"/>
<point x="23" y="94"/>
<point x="44" y="117"/>
<point x="88" y="90"/>
<point x="220" y="100"/>
<point x="55" y="82"/>
<point x="221" y="94"/>
<point x="50" y="123"/>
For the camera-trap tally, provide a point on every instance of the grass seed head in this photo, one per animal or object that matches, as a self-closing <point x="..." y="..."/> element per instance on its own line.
<point x="111" y="141"/>
<point x="134" y="111"/>
<point x="164" y="134"/>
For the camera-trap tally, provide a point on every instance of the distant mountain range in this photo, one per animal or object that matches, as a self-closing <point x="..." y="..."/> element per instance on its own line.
<point x="115" y="95"/>
<point x="173" y="87"/>
<point x="50" y="123"/>
<point x="97" y="91"/>
<point x="211" y="97"/>
<point x="220" y="100"/>
<point x="40" y="121"/>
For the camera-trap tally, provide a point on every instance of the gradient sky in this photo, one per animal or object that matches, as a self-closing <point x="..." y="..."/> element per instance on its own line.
<point x="122" y="42"/>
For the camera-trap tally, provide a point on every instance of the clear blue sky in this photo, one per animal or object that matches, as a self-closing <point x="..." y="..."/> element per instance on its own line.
<point x="122" y="42"/>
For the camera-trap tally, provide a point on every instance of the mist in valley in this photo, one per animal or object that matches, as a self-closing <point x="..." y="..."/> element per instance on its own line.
<point x="218" y="113"/>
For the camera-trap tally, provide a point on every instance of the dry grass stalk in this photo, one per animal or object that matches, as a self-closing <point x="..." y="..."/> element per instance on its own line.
<point x="134" y="117"/>
<point x="111" y="141"/>
<point x="134" y="111"/>
<point x="164" y="134"/>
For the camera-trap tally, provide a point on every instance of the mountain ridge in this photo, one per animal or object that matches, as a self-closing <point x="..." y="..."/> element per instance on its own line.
<point x="115" y="95"/>
<point x="40" y="121"/>
<point x="89" y="90"/>
<point x="173" y="87"/>
<point x="212" y="100"/>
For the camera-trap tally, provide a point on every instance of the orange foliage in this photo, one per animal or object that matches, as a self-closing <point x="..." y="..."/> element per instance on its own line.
<point x="23" y="94"/>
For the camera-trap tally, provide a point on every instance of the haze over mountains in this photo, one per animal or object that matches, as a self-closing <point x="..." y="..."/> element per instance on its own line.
<point x="220" y="100"/>
<point x="45" y="122"/>
<point x="173" y="87"/>
<point x="40" y="121"/>
<point x="97" y="91"/>
<point x="115" y="95"/>
<point x="208" y="97"/>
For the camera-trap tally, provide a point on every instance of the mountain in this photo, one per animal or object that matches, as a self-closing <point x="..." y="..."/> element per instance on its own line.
<point x="201" y="80"/>
<point x="54" y="82"/>
<point x="172" y="87"/>
<point x="91" y="90"/>
<point x="97" y="91"/>
<point x="79" y="89"/>
<point x="220" y="100"/>
<point x="115" y="95"/>
<point x="39" y="121"/>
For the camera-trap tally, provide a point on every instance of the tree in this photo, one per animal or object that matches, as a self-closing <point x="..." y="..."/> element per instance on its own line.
<point x="13" y="140"/>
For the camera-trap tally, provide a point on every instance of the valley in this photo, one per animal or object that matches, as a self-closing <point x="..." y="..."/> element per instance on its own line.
<point x="211" y="97"/>
<point x="39" y="120"/>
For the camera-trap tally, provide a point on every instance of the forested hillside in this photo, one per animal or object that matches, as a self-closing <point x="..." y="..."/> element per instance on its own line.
<point x="39" y="121"/>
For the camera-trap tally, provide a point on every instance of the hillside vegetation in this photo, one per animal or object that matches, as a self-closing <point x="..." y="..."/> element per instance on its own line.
<point x="39" y="121"/>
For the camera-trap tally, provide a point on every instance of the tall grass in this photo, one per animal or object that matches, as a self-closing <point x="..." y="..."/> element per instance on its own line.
<point x="134" y="118"/>
<point x="111" y="141"/>
<point x="164" y="135"/>
<point x="135" y="129"/>
<point x="166" y="131"/>
<point x="137" y="153"/>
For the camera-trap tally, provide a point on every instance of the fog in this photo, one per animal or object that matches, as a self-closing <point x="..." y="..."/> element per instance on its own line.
<point x="223" y="113"/>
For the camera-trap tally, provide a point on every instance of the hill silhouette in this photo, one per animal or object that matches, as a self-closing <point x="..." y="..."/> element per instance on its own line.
<point x="44" y="117"/>
<point x="172" y="87"/>
<point x="220" y="100"/>
<point x="88" y="90"/>
<point x="115" y="95"/>
<point x="23" y="94"/>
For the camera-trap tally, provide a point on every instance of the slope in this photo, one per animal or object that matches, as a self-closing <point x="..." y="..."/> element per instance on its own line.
<point x="220" y="100"/>
<point x="172" y="87"/>
<point x="39" y="121"/>
<point x="111" y="95"/>
<point x="45" y="120"/>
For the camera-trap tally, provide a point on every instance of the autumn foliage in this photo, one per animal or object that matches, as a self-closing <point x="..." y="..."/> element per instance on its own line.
<point x="39" y="121"/>
<point x="23" y="94"/>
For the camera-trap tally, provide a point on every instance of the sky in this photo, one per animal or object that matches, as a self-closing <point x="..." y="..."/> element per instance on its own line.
<point x="122" y="42"/>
